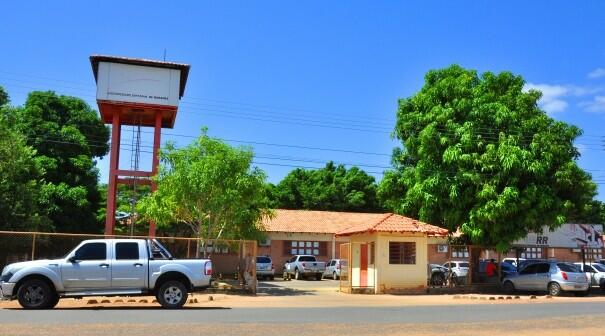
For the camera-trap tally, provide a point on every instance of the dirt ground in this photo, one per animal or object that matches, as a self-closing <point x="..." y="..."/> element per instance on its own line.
<point x="325" y="299"/>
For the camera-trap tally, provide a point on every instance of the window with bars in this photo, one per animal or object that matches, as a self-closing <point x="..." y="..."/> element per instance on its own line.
<point x="402" y="253"/>
<point x="459" y="252"/>
<point x="532" y="253"/>
<point x="594" y="254"/>
<point x="315" y="248"/>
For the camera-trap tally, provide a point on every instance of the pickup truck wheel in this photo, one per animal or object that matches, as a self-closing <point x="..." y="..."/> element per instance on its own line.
<point x="36" y="294"/>
<point x="297" y="274"/>
<point x="318" y="277"/>
<point x="285" y="275"/>
<point x="172" y="294"/>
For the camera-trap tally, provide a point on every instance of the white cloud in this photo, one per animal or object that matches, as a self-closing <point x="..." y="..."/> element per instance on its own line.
<point x="554" y="96"/>
<point x="597" y="73"/>
<point x="596" y="105"/>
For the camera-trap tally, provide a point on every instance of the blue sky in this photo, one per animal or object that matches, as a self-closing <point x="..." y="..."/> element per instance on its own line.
<point x="316" y="73"/>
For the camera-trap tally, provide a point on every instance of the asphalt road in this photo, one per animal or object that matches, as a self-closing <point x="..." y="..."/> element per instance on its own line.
<point x="349" y="315"/>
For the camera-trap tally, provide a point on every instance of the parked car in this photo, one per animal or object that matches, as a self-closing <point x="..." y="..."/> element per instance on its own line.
<point x="595" y="272"/>
<point x="459" y="270"/>
<point x="437" y="274"/>
<point x="333" y="269"/>
<point x="551" y="276"/>
<point x="264" y="268"/>
<point x="304" y="266"/>
<point x="106" y="267"/>
<point x="513" y="261"/>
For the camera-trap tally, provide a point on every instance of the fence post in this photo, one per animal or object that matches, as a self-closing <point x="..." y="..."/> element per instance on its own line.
<point x="33" y="246"/>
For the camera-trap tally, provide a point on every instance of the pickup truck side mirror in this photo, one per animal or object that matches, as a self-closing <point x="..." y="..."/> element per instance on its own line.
<point x="72" y="259"/>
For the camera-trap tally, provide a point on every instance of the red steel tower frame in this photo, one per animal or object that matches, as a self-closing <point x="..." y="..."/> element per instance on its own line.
<point x="120" y="112"/>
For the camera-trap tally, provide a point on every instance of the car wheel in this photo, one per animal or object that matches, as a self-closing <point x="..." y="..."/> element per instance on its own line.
<point x="437" y="279"/>
<point x="454" y="279"/>
<point x="297" y="274"/>
<point x="272" y="277"/>
<point x="334" y="276"/>
<point x="554" y="289"/>
<point x="172" y="294"/>
<point x="285" y="275"/>
<point x="508" y="287"/>
<point x="36" y="294"/>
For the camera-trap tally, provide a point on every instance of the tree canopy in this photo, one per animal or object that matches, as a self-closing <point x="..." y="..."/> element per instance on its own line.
<point x="331" y="188"/>
<point x="210" y="187"/>
<point x="20" y="175"/>
<point x="479" y="154"/>
<point x="67" y="136"/>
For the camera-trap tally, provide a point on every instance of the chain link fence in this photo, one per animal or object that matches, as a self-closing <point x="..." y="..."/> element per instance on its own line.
<point x="233" y="261"/>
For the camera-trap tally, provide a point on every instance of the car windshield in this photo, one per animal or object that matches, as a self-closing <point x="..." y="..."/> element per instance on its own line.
<point x="263" y="260"/>
<point x="599" y="267"/>
<point x="306" y="258"/>
<point x="568" y="267"/>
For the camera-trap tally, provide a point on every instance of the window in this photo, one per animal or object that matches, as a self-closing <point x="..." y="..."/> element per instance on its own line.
<point x="532" y="253"/>
<point x="92" y="251"/>
<point x="305" y="247"/>
<point x="464" y="264"/>
<point x="543" y="268"/>
<point x="594" y="254"/>
<point x="565" y="267"/>
<point x="459" y="252"/>
<point x="530" y="269"/>
<point x="127" y="251"/>
<point x="402" y="253"/>
<point x="598" y="267"/>
<point x="307" y="258"/>
<point x="263" y="260"/>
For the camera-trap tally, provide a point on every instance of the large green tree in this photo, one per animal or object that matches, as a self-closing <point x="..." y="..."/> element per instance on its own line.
<point x="212" y="188"/>
<point x="20" y="175"/>
<point x="68" y="136"/>
<point x="331" y="188"/>
<point x="479" y="154"/>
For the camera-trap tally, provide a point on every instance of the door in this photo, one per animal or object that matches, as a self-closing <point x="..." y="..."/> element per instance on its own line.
<point x="542" y="277"/>
<point x="525" y="280"/>
<point x="129" y="267"/>
<point x="87" y="268"/>
<point x="363" y="266"/>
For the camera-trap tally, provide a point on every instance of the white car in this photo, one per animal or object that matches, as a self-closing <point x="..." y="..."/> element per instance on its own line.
<point x="595" y="272"/>
<point x="106" y="267"/>
<point x="459" y="268"/>
<point x="264" y="268"/>
<point x="333" y="269"/>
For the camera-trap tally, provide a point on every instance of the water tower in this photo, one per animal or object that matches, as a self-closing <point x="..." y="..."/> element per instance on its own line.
<point x="135" y="92"/>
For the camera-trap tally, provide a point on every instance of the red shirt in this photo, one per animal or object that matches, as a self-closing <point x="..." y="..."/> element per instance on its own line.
<point x="490" y="269"/>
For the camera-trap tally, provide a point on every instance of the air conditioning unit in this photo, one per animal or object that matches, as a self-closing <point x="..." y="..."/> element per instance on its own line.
<point x="264" y="242"/>
<point x="442" y="248"/>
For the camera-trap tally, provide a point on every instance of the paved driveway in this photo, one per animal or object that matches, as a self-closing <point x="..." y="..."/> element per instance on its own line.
<point x="298" y="286"/>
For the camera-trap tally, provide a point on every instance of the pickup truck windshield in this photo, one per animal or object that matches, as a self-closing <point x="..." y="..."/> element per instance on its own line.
<point x="307" y="258"/>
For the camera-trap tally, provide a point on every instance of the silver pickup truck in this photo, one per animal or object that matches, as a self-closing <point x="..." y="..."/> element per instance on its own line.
<point x="106" y="267"/>
<point x="301" y="266"/>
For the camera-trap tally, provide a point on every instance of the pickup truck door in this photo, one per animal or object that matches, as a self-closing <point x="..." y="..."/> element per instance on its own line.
<point x="129" y="265"/>
<point x="89" y="268"/>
